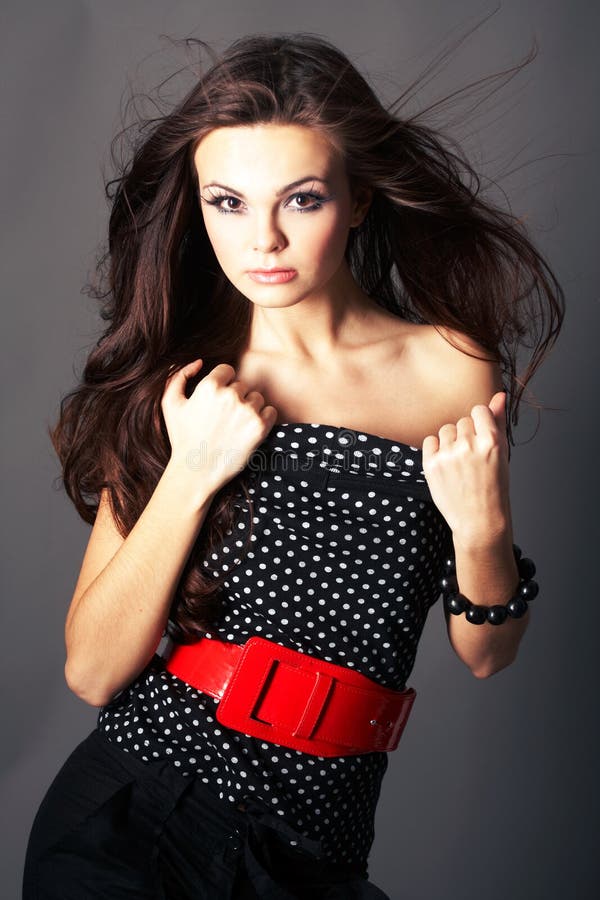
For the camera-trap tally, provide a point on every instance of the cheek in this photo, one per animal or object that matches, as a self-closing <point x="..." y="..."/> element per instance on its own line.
<point x="317" y="242"/>
<point x="223" y="241"/>
<point x="325" y="242"/>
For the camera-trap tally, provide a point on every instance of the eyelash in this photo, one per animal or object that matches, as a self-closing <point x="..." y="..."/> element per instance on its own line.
<point x="318" y="198"/>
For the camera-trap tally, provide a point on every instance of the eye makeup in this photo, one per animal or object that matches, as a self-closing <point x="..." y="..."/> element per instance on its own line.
<point x="317" y="198"/>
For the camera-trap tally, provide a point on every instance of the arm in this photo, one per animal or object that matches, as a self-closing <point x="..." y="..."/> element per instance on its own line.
<point x="122" y="599"/>
<point x="470" y="477"/>
<point x="487" y="574"/>
<point x="125" y="588"/>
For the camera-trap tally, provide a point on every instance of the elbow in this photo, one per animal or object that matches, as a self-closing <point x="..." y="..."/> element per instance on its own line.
<point x="491" y="667"/>
<point x="89" y="693"/>
<point x="483" y="673"/>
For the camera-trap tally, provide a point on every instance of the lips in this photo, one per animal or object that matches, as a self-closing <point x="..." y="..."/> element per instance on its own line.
<point x="272" y="276"/>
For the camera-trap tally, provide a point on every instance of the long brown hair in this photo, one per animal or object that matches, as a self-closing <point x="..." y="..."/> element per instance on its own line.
<point x="431" y="250"/>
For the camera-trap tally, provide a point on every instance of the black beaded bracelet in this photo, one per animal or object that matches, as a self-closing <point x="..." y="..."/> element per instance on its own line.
<point x="456" y="603"/>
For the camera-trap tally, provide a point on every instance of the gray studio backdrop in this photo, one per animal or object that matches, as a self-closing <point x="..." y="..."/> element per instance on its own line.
<point x="493" y="791"/>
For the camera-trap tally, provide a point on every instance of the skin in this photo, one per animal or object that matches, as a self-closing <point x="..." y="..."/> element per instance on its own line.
<point x="322" y="308"/>
<point x="320" y="331"/>
<point x="320" y="350"/>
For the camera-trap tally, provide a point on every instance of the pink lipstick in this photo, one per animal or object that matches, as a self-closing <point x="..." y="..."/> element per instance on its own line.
<point x="272" y="276"/>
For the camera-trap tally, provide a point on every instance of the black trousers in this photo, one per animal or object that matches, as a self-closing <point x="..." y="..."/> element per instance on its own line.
<point x="111" y="826"/>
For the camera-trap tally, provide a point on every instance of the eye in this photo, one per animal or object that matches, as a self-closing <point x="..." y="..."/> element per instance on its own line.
<point x="217" y="200"/>
<point x="318" y="200"/>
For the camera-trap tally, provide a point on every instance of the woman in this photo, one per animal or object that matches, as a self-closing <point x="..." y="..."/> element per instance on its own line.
<point x="295" y="430"/>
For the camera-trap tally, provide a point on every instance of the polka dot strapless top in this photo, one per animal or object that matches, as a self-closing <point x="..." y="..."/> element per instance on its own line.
<point x="346" y="551"/>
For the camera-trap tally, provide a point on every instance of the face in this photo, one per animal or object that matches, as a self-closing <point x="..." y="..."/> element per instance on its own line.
<point x="276" y="196"/>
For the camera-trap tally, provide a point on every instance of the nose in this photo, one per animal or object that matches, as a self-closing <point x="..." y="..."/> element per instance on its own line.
<point x="268" y="235"/>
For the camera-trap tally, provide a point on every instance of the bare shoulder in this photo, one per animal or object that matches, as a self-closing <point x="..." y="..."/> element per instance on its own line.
<point x="457" y="369"/>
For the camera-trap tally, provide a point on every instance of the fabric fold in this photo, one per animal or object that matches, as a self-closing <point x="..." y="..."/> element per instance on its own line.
<point x="269" y="869"/>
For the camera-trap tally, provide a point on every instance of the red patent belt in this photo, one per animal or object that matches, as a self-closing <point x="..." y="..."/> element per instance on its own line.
<point x="290" y="698"/>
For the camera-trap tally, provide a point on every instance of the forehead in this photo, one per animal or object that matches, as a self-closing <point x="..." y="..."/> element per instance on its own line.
<point x="237" y="148"/>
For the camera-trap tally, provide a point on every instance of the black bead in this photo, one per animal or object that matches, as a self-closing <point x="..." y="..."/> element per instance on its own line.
<point x="526" y="568"/>
<point x="517" y="607"/>
<point x="496" y="615"/>
<point x="449" y="565"/>
<point x="528" y="590"/>
<point x="476" y="614"/>
<point x="456" y="604"/>
<point x="448" y="583"/>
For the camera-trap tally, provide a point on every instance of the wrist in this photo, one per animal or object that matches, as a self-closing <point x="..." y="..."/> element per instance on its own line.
<point x="192" y="490"/>
<point x="510" y="582"/>
<point x="491" y="538"/>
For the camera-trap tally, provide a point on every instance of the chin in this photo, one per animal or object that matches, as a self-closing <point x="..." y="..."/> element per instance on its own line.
<point x="272" y="296"/>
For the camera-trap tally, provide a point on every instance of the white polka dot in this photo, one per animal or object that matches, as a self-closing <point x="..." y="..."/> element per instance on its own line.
<point x="343" y="572"/>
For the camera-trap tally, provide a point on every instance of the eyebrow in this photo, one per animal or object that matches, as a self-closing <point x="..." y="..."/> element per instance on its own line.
<point x="278" y="193"/>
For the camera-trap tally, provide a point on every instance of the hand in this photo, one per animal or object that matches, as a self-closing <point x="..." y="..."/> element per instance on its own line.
<point x="466" y="468"/>
<point x="213" y="433"/>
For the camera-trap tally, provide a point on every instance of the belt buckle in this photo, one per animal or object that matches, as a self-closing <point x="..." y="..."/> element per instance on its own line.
<point x="248" y="689"/>
<point x="279" y="695"/>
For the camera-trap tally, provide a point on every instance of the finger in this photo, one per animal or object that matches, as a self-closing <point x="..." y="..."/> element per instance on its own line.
<point x="269" y="415"/>
<point x="223" y="373"/>
<point x="175" y="384"/>
<point x="465" y="427"/>
<point x="255" y="397"/>
<point x="241" y="389"/>
<point x="447" y="434"/>
<point x="429" y="448"/>
<point x="498" y="407"/>
<point x="484" y="420"/>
